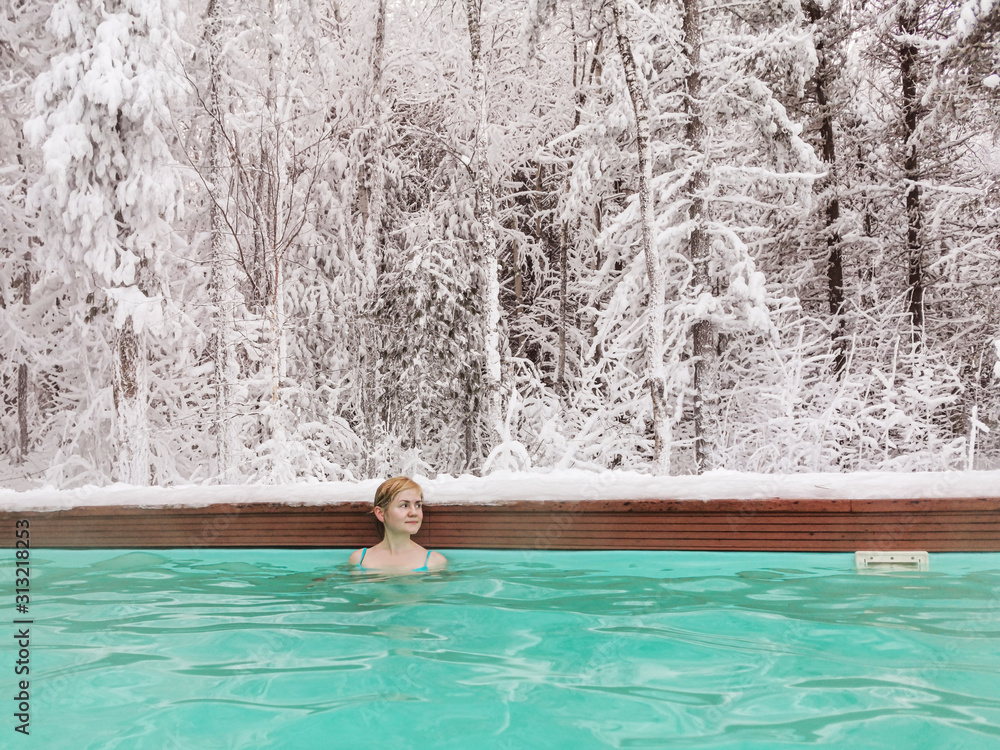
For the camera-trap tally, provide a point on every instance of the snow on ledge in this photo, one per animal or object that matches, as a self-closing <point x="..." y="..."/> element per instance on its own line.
<point x="571" y="484"/>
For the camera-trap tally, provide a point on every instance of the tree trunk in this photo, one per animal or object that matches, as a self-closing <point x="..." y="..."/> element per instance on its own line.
<point x="23" y="436"/>
<point x="834" y="264"/>
<point x="655" y="378"/>
<point x="911" y="168"/>
<point x="23" y="384"/>
<point x="563" y="306"/>
<point x="374" y="173"/>
<point x="485" y="217"/>
<point x="271" y="166"/>
<point x="222" y="279"/>
<point x="579" y="73"/>
<point x="130" y="388"/>
<point x="23" y="389"/>
<point x="540" y="236"/>
<point x="372" y="191"/>
<point x="703" y="332"/>
<point x="515" y="252"/>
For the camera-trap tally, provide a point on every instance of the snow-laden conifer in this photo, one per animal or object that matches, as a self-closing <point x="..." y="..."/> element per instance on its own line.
<point x="108" y="191"/>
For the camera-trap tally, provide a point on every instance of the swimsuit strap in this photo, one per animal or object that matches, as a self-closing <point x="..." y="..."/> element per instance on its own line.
<point x="424" y="566"/>
<point x="363" y="550"/>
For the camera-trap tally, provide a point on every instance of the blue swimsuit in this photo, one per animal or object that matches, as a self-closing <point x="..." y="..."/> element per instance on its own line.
<point x="422" y="569"/>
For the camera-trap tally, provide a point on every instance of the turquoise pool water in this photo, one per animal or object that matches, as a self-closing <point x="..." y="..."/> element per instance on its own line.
<point x="508" y="650"/>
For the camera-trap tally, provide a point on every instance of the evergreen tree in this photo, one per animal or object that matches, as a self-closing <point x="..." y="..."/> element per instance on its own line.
<point x="108" y="200"/>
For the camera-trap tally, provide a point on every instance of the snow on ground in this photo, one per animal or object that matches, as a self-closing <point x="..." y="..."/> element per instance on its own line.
<point x="551" y="485"/>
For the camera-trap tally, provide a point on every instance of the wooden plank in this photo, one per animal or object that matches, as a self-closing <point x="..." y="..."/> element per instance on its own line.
<point x="987" y="505"/>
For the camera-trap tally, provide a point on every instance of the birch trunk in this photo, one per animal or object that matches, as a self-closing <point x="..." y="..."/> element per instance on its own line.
<point x="222" y="281"/>
<point x="271" y="166"/>
<point x="703" y="332"/>
<point x="655" y="377"/>
<point x="277" y="346"/>
<point x="485" y="217"/>
<point x="372" y="194"/>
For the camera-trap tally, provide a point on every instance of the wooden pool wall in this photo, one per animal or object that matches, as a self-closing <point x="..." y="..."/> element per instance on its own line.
<point x="934" y="525"/>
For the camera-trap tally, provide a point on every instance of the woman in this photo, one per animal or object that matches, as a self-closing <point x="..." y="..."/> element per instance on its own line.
<point x="399" y="511"/>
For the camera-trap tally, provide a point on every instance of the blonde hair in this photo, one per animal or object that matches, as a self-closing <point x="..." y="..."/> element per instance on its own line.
<point x="387" y="492"/>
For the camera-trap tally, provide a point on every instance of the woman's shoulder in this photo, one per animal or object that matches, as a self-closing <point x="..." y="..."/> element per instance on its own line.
<point x="356" y="556"/>
<point x="436" y="561"/>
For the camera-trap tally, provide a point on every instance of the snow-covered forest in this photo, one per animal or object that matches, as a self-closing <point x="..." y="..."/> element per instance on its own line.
<point x="282" y="240"/>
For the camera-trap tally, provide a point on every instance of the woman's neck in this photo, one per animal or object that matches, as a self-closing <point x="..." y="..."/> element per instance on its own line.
<point x="397" y="543"/>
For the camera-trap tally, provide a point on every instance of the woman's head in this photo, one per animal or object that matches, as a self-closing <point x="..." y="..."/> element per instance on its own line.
<point x="387" y="492"/>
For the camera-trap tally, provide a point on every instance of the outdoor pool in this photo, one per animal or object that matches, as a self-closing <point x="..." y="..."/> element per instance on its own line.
<point x="508" y="650"/>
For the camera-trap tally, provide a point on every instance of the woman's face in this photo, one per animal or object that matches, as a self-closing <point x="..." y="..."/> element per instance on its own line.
<point x="404" y="513"/>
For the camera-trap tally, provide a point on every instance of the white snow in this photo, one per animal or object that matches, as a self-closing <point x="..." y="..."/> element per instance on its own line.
<point x="569" y="484"/>
<point x="130" y="302"/>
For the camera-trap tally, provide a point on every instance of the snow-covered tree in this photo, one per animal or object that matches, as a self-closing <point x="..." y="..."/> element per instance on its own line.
<point x="24" y="47"/>
<point x="108" y="192"/>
